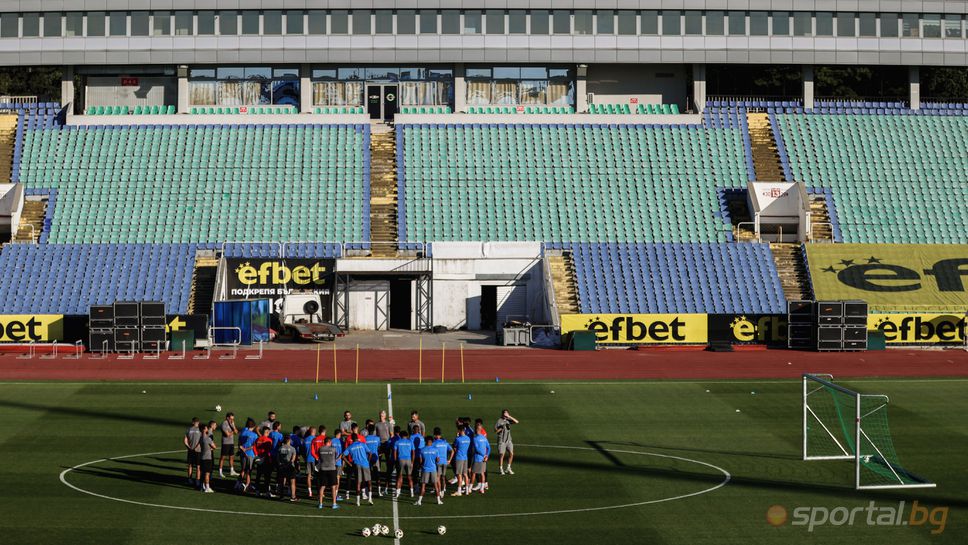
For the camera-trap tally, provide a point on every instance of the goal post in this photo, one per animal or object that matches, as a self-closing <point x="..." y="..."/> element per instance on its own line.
<point x="843" y="424"/>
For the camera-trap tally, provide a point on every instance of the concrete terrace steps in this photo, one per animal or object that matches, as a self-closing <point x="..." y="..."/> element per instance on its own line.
<point x="819" y="214"/>
<point x="766" y="158"/>
<point x="383" y="191"/>
<point x="203" y="285"/>
<point x="563" y="277"/>
<point x="791" y="267"/>
<point x="8" y="136"/>
<point x="33" y="215"/>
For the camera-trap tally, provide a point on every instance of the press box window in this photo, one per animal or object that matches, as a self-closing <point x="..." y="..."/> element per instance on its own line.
<point x="383" y="21"/>
<point x="161" y="23"/>
<point x="737" y="23"/>
<point x="339" y="22"/>
<point x="605" y="22"/>
<point x="250" y="22"/>
<point x="294" y="22"/>
<point x="206" y="23"/>
<point x="361" y="22"/>
<point x="627" y="23"/>
<point x="74" y="24"/>
<point x="317" y="21"/>
<point x="517" y="21"/>
<point x="183" y="23"/>
<point x="715" y="23"/>
<point x="802" y="23"/>
<point x="95" y="23"/>
<point x="428" y="21"/>
<point x="931" y="25"/>
<point x="781" y="23"/>
<point x="759" y="23"/>
<point x="650" y="23"/>
<point x="693" y="23"/>
<point x="562" y="21"/>
<point x="584" y="22"/>
<point x="272" y="22"/>
<point x="495" y="21"/>
<point x="909" y="25"/>
<point x="539" y="21"/>
<point x="472" y="22"/>
<point x="889" y="24"/>
<point x="9" y="25"/>
<point x="228" y="23"/>
<point x="868" y="24"/>
<point x="52" y="24"/>
<point x="952" y="26"/>
<point x="450" y="21"/>
<point x="118" y="23"/>
<point x="825" y="23"/>
<point x="406" y="21"/>
<point x="846" y="23"/>
<point x="671" y="23"/>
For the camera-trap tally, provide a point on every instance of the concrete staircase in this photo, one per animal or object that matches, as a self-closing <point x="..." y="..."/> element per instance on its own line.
<point x="383" y="191"/>
<point x="31" y="221"/>
<point x="739" y="213"/>
<point x="203" y="285"/>
<point x="820" y="215"/>
<point x="8" y="138"/>
<point x="791" y="266"/>
<point x="766" y="158"/>
<point x="565" y="285"/>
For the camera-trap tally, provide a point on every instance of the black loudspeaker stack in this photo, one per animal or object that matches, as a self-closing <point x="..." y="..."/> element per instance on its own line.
<point x="827" y="325"/>
<point x="127" y="326"/>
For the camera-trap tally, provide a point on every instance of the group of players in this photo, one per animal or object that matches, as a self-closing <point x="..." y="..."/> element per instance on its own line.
<point x="380" y="453"/>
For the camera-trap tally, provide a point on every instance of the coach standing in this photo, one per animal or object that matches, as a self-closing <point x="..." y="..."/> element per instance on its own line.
<point x="504" y="443"/>
<point x="229" y="431"/>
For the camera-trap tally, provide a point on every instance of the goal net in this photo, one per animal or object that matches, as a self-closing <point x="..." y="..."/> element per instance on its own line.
<point x="841" y="424"/>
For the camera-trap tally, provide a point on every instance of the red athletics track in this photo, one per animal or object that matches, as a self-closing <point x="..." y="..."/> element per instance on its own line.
<point x="513" y="364"/>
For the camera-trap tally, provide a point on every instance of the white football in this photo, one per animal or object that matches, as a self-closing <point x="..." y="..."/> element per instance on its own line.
<point x="398" y="533"/>
<point x="385" y="530"/>
<point x="218" y="408"/>
<point x="365" y="532"/>
<point x="441" y="529"/>
<point x="376" y="529"/>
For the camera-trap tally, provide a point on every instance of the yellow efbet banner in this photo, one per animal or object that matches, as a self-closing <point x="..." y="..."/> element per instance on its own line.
<point x="22" y="328"/>
<point x="892" y="277"/>
<point x="919" y="328"/>
<point x="640" y="328"/>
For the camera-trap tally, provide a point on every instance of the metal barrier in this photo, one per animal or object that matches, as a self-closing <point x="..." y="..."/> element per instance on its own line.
<point x="177" y="356"/>
<point x="52" y="355"/>
<point x="232" y="347"/>
<point x="205" y="355"/>
<point x="102" y="354"/>
<point x="78" y="350"/>
<point x="129" y="355"/>
<point x="739" y="228"/>
<point x="30" y="352"/>
<point x="156" y="355"/>
<point x="256" y="356"/>
<point x="813" y="226"/>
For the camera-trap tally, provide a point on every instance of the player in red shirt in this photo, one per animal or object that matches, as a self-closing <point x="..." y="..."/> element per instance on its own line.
<point x="263" y="454"/>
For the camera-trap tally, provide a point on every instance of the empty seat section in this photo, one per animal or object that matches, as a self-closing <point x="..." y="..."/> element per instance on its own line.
<point x="894" y="178"/>
<point x="201" y="183"/>
<point x="556" y="182"/>
<point x="68" y="278"/>
<point x="677" y="278"/>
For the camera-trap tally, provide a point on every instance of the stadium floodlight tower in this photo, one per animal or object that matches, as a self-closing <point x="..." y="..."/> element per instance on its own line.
<point x="841" y="424"/>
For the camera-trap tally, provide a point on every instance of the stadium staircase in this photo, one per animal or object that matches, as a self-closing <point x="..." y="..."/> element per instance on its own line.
<point x="739" y="215"/>
<point x="563" y="277"/>
<point x="820" y="217"/>
<point x="32" y="216"/>
<point x="8" y="137"/>
<point x="383" y="191"/>
<point x="766" y="158"/>
<point x="203" y="282"/>
<point x="791" y="266"/>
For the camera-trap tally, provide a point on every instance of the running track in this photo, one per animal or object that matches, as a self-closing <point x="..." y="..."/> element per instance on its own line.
<point x="485" y="365"/>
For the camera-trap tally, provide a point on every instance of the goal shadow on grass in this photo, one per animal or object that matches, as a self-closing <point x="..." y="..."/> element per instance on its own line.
<point x="73" y="411"/>
<point x="847" y="490"/>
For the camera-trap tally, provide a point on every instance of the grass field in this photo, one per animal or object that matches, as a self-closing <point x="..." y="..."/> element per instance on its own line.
<point x="637" y="443"/>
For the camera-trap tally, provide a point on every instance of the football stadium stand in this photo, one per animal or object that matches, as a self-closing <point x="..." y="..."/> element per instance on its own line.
<point x="894" y="178"/>
<point x="170" y="184"/>
<point x="677" y="278"/>
<point x="557" y="182"/>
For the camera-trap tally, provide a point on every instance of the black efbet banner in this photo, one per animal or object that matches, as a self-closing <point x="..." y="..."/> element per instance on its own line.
<point x="748" y="328"/>
<point x="272" y="278"/>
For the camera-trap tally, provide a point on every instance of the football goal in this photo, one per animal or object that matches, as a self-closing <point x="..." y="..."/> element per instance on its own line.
<point x="841" y="424"/>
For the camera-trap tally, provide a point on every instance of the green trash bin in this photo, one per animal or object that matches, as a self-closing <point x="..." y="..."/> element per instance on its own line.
<point x="876" y="340"/>
<point x="182" y="341"/>
<point x="581" y="340"/>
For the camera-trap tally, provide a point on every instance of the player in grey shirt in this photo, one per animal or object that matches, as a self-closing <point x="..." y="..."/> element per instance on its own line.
<point x="286" y="469"/>
<point x="416" y="426"/>
<point x="347" y="424"/>
<point x="326" y="471"/>
<point x="192" y="440"/>
<point x="229" y="431"/>
<point x="504" y="443"/>
<point x="206" y="455"/>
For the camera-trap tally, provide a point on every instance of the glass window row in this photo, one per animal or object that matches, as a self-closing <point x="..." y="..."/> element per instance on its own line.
<point x="473" y="22"/>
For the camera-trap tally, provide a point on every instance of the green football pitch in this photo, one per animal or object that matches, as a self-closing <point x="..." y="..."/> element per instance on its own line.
<point x="642" y="462"/>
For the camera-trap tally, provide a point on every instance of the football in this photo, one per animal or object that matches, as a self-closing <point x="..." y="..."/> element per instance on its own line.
<point x="218" y="408"/>
<point x="398" y="533"/>
<point x="365" y="532"/>
<point x="385" y="530"/>
<point x="441" y="529"/>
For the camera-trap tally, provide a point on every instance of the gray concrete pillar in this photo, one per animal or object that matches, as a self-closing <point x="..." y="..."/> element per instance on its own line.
<point x="808" y="100"/>
<point x="699" y="88"/>
<point x="460" y="89"/>
<point x="305" y="89"/>
<point x="184" y="100"/>
<point x="914" y="80"/>
<point x="581" y="88"/>
<point x="67" y="89"/>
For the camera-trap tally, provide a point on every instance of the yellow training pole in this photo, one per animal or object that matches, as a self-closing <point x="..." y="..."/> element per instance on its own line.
<point x="443" y="355"/>
<point x="420" y="363"/>
<point x="317" y="363"/>
<point x="357" y="363"/>
<point x="462" y="363"/>
<point x="335" y="379"/>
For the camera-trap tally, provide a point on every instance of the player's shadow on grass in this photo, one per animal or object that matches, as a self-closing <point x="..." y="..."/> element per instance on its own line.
<point x="153" y="478"/>
<point x="74" y="411"/>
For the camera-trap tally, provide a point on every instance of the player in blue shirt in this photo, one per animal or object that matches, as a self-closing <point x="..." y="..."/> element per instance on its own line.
<point x="307" y="449"/>
<point x="338" y="445"/>
<point x="358" y="456"/>
<point x="429" y="461"/>
<point x="373" y="449"/>
<point x="462" y="447"/>
<point x="446" y="453"/>
<point x="482" y="450"/>
<point x="418" y="443"/>
<point x="247" y="441"/>
<point x="403" y="454"/>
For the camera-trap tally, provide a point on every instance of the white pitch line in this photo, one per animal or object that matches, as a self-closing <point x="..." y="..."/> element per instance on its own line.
<point x="393" y="497"/>
<point x="726" y="479"/>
